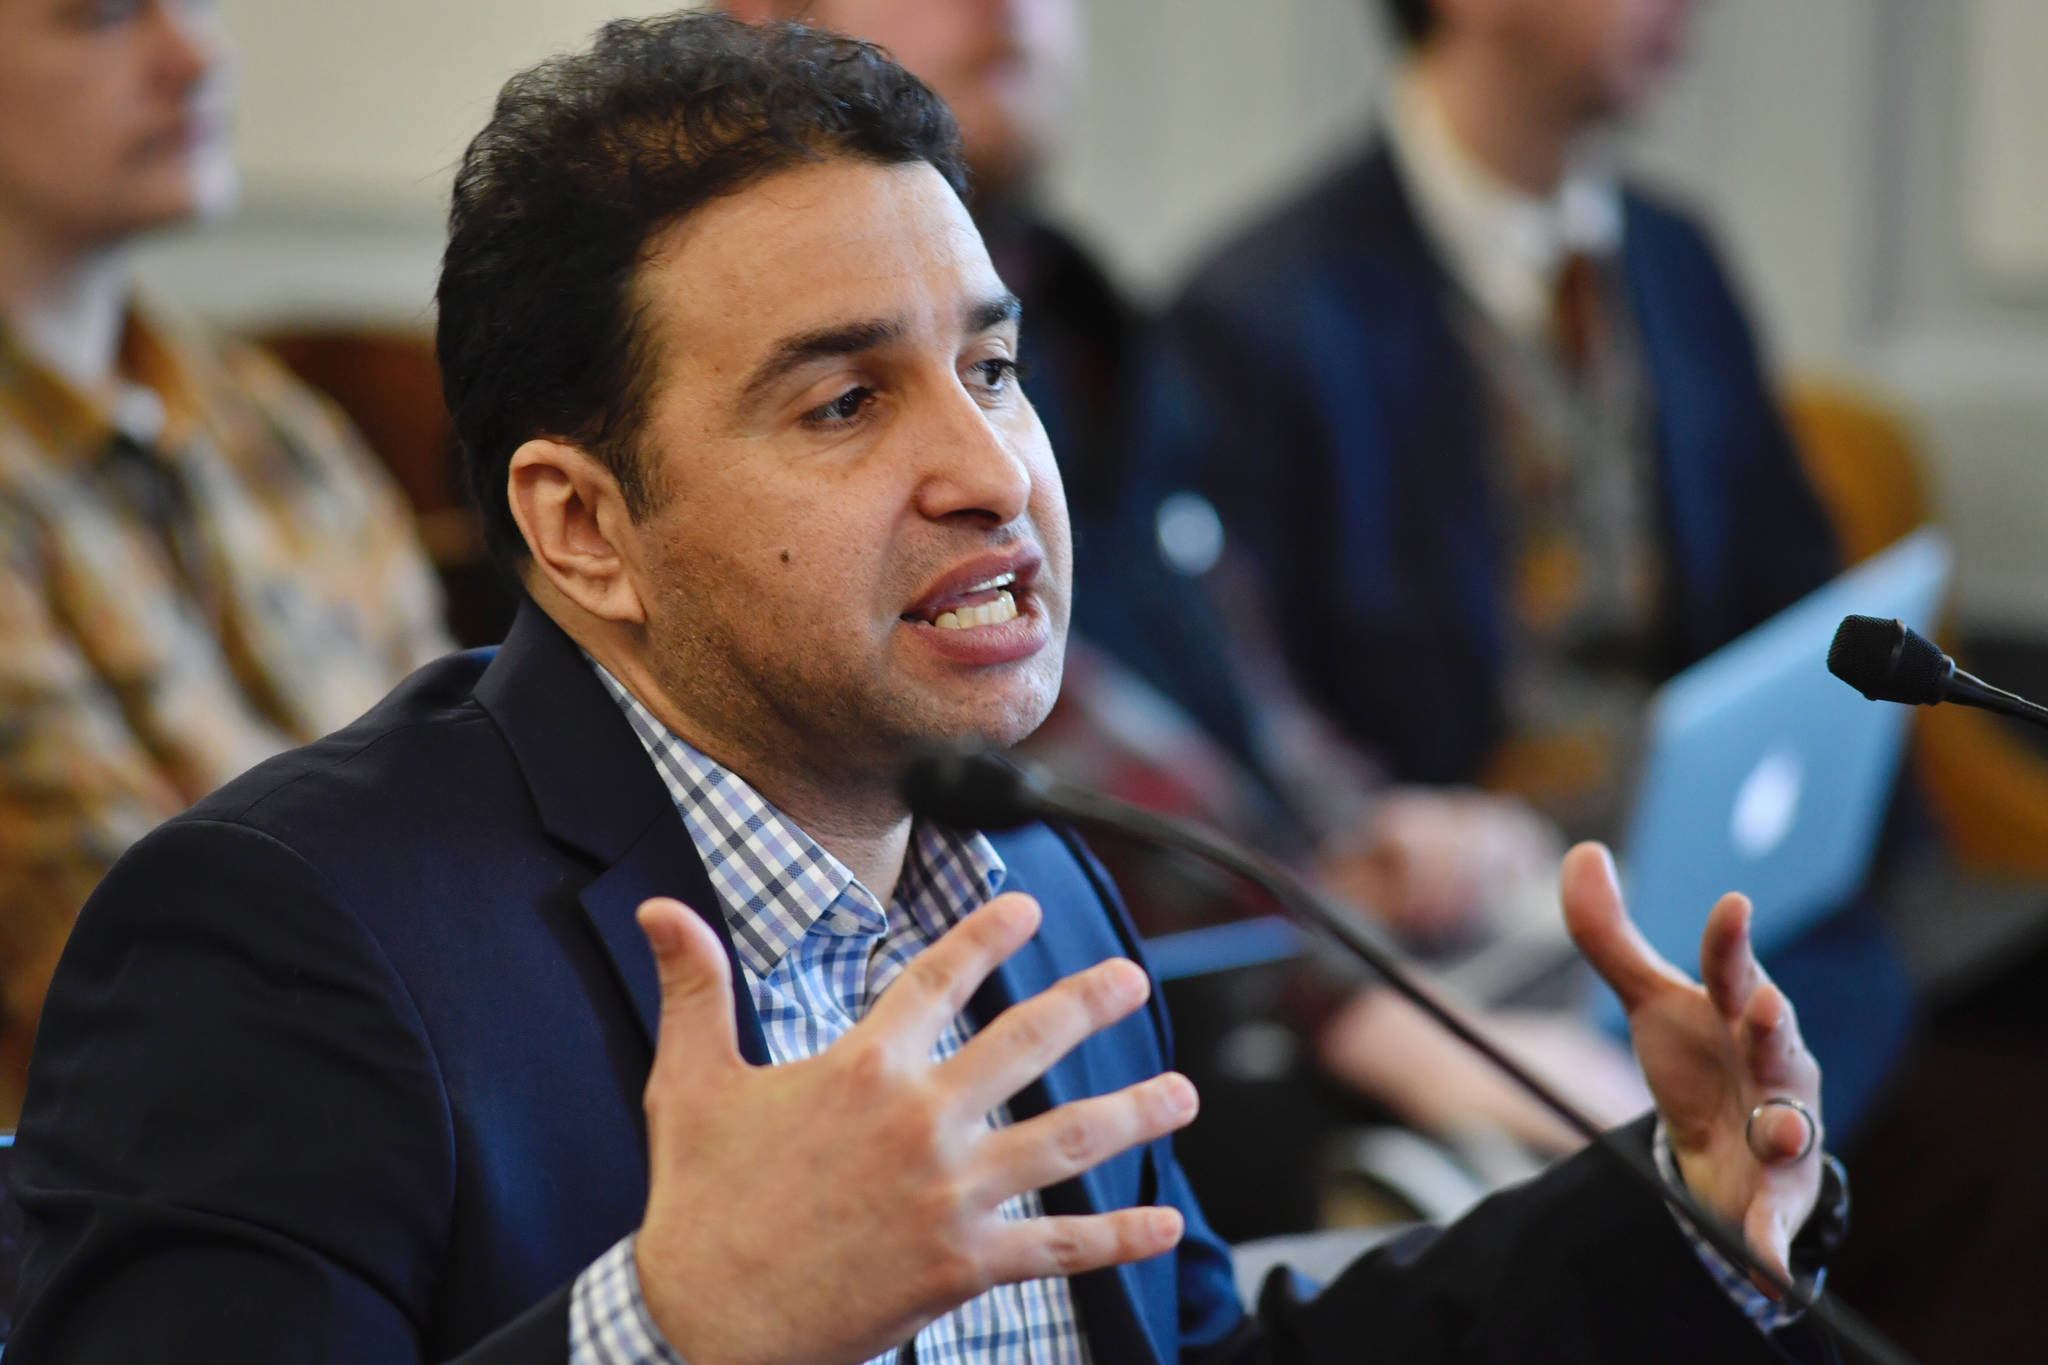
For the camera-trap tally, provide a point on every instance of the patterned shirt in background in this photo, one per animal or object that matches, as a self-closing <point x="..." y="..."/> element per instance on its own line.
<point x="194" y="575"/>
<point x="1538" y="301"/>
<point x="817" y="949"/>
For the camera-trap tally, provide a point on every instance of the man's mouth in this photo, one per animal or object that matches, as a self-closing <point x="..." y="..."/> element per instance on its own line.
<point x="994" y="592"/>
<point x="985" y="612"/>
<point x="988" y="603"/>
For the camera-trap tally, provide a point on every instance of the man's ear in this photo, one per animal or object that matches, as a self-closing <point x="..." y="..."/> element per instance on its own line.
<point x="577" y="529"/>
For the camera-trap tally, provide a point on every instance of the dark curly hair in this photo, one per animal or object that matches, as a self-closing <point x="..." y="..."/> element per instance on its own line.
<point x="588" y="156"/>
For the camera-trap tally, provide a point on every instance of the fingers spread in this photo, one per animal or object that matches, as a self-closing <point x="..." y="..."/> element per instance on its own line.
<point x="1039" y="1248"/>
<point x="1600" y="925"/>
<point x="1075" y="1137"/>
<point x="1029" y="1037"/>
<point x="927" y="995"/>
<point x="696" y="987"/>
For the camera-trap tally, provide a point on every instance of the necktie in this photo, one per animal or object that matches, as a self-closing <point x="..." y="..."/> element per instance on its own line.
<point x="1577" y="320"/>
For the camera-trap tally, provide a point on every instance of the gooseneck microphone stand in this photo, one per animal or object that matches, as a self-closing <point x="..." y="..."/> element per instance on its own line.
<point x="974" y="788"/>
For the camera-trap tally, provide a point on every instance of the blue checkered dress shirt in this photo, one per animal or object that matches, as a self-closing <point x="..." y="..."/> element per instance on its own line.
<point x="817" y="948"/>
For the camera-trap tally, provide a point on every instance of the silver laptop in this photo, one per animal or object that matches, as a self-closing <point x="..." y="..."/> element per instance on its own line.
<point x="1765" y="774"/>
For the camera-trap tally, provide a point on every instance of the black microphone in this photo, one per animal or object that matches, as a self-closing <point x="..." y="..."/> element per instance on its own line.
<point x="972" y="787"/>
<point x="1887" y="661"/>
<point x="968" y="786"/>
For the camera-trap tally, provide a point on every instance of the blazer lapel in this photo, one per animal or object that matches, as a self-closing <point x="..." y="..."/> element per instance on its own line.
<point x="597" y="792"/>
<point x="1107" y="1300"/>
<point x="663" y="862"/>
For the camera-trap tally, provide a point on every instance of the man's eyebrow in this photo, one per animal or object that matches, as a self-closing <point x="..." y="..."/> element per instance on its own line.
<point x="795" y="352"/>
<point x="992" y="313"/>
<point x="852" y="338"/>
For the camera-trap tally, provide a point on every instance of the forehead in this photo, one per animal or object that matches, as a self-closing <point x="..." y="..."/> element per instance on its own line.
<point x="821" y="244"/>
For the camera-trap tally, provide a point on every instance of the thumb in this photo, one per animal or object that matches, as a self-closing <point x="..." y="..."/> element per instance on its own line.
<point x="696" y="987"/>
<point x="1765" y="1229"/>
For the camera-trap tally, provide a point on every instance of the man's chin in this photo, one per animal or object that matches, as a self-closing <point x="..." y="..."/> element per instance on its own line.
<point x="1005" y="730"/>
<point x="1000" y="722"/>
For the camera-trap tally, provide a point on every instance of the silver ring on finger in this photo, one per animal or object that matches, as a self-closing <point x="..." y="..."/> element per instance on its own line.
<point x="1784" y="1102"/>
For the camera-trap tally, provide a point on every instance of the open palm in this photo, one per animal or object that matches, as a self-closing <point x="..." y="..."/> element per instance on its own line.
<point x="1711" y="1051"/>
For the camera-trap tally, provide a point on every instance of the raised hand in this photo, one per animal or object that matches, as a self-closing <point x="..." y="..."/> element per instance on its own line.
<point x="825" y="1210"/>
<point x="1711" y="1054"/>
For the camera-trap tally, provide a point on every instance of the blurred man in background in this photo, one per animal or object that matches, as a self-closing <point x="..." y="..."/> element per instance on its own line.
<point x="1491" y="429"/>
<point x="199" y="564"/>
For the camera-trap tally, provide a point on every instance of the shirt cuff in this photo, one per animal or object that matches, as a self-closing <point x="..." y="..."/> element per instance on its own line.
<point x="608" y="1319"/>
<point x="1767" y="1313"/>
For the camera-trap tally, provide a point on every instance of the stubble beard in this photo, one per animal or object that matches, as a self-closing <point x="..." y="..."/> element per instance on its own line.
<point x="809" y="719"/>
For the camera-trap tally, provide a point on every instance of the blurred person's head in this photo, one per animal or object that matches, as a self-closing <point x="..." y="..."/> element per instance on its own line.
<point x="1588" y="60"/>
<point x="1007" y="68"/>
<point x="113" y="120"/>
<point x="734" y="381"/>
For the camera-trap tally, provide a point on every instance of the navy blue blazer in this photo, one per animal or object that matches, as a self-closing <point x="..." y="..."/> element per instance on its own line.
<point x="346" y="1063"/>
<point x="1311" y="380"/>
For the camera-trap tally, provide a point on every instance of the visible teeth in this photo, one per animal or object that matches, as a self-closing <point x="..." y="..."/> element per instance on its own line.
<point x="1004" y="608"/>
<point x="1001" y="580"/>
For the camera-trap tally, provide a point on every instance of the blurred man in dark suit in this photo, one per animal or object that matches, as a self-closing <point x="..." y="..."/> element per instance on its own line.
<point x="1489" y="427"/>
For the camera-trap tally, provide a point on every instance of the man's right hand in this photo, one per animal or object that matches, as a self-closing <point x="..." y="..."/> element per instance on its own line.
<point x="825" y="1210"/>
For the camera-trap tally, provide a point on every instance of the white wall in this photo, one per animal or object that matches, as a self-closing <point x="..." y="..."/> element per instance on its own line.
<point x="1196" y="111"/>
<point x="1866" y="160"/>
<point x="351" y="118"/>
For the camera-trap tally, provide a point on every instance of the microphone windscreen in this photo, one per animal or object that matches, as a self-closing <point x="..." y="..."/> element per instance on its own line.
<point x="1887" y="662"/>
<point x="970" y="787"/>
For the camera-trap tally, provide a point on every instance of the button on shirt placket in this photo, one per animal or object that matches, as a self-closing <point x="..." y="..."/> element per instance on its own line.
<point x="817" y="949"/>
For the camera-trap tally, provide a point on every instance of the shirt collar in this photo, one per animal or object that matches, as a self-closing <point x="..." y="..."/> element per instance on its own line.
<point x="1502" y="245"/>
<point x="155" y="405"/>
<point x="775" y="881"/>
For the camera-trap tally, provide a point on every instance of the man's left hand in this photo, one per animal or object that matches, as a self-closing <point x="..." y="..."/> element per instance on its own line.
<point x="1711" y="1054"/>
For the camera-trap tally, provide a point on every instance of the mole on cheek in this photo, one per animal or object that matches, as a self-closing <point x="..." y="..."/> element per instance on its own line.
<point x="785" y="556"/>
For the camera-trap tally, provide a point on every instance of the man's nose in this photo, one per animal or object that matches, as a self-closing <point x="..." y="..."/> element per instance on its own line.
<point x="972" y="468"/>
<point x="189" y="42"/>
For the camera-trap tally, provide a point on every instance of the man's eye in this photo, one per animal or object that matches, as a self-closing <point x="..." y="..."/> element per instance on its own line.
<point x="95" y="14"/>
<point x="998" y="373"/>
<point x="845" y="408"/>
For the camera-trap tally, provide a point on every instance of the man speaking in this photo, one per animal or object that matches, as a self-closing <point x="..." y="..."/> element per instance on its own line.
<point x="405" y="1047"/>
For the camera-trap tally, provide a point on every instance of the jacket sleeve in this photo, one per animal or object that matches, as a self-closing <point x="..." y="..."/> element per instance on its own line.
<point x="237" y="1144"/>
<point x="1578" y="1265"/>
